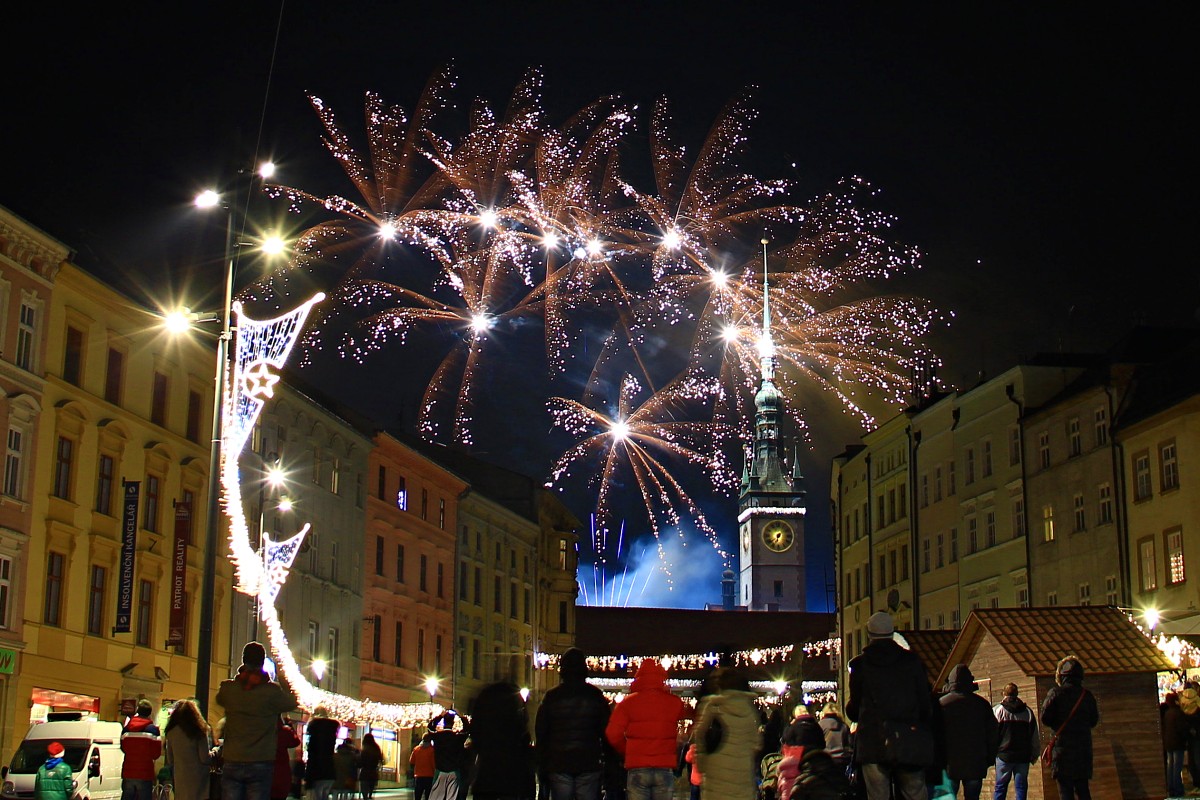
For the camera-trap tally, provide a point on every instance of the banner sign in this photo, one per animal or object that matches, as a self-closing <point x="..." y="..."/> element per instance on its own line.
<point x="129" y="523"/>
<point x="176" y="632"/>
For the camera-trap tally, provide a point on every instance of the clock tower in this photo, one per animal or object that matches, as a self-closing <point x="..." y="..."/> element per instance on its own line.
<point x="771" y="502"/>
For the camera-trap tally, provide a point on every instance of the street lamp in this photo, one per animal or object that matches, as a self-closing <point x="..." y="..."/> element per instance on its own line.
<point x="204" y="644"/>
<point x="318" y="669"/>
<point x="431" y="687"/>
<point x="273" y="476"/>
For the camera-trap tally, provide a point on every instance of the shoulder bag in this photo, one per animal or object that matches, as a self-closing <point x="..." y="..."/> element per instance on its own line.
<point x="1048" y="750"/>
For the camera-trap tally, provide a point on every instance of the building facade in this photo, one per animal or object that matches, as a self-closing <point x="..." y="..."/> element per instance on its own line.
<point x="125" y="405"/>
<point x="29" y="262"/>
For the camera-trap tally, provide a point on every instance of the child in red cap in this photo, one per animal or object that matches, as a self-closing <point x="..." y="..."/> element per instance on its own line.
<point x="53" y="781"/>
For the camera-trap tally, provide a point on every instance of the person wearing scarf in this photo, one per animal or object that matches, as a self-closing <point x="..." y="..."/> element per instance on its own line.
<point x="54" y="779"/>
<point x="252" y="703"/>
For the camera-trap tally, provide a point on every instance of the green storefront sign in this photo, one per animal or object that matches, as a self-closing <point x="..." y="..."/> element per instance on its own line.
<point x="8" y="658"/>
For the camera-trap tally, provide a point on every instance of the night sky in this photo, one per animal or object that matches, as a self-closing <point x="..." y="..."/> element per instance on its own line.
<point x="1035" y="155"/>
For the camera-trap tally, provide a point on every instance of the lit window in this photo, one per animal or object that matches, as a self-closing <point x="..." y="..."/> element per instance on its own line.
<point x="1048" y="523"/>
<point x="1148" y="569"/>
<point x="1173" y="548"/>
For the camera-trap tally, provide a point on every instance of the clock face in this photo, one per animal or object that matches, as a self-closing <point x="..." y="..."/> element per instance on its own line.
<point x="745" y="537"/>
<point x="778" y="536"/>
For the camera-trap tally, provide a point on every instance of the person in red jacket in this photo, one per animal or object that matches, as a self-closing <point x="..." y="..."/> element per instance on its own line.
<point x="644" y="730"/>
<point x="142" y="746"/>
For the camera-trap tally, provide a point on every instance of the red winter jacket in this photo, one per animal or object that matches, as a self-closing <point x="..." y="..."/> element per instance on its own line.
<point x="644" y="726"/>
<point x="142" y="746"/>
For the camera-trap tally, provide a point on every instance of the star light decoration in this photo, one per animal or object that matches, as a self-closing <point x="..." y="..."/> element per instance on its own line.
<point x="262" y="349"/>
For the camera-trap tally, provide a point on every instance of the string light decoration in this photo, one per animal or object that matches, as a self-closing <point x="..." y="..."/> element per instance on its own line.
<point x="261" y="351"/>
<point x="759" y="656"/>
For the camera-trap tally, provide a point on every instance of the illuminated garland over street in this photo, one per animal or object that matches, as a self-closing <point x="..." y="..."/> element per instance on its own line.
<point x="619" y="663"/>
<point x="262" y="350"/>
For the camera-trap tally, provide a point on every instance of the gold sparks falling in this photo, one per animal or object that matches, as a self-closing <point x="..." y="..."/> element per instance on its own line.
<point x="518" y="225"/>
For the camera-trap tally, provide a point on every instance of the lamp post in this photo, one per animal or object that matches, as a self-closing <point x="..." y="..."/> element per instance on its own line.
<point x="431" y="687"/>
<point x="204" y="644"/>
<point x="318" y="670"/>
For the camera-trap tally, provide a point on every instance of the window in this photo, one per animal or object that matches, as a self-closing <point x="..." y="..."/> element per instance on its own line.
<point x="402" y="495"/>
<point x="882" y="581"/>
<point x="1044" y="449"/>
<point x="475" y="658"/>
<point x="1047" y="523"/>
<point x="441" y="579"/>
<point x="462" y="580"/>
<point x="421" y="649"/>
<point x="951" y="488"/>
<point x="192" y="431"/>
<point x="497" y="599"/>
<point x="512" y="600"/>
<point x="333" y="561"/>
<point x="114" y="376"/>
<point x="954" y="621"/>
<point x="1018" y="517"/>
<point x="422" y="575"/>
<point x="1023" y="597"/>
<point x="528" y="603"/>
<point x="104" y="484"/>
<point x="379" y="544"/>
<point x="151" y="497"/>
<point x="904" y="562"/>
<point x="989" y="528"/>
<point x="442" y="513"/>
<point x="14" y="463"/>
<point x="1051" y="598"/>
<point x="1141" y="476"/>
<point x="26" y="334"/>
<point x="1173" y="549"/>
<point x="969" y="466"/>
<point x="562" y="553"/>
<point x="937" y="484"/>
<point x="425" y="504"/>
<point x="335" y="476"/>
<point x="1101" y="418"/>
<point x="1110" y="590"/>
<point x="953" y="545"/>
<point x="381" y="483"/>
<point x="1080" y="516"/>
<point x="158" y="400"/>
<point x="1147" y="567"/>
<point x="972" y="535"/>
<point x="924" y="490"/>
<point x="334" y="652"/>
<point x="144" y="612"/>
<point x="314" y="638"/>
<point x="478" y="586"/>
<point x="72" y="356"/>
<point x="6" y="589"/>
<point x="902" y="497"/>
<point x="1085" y="594"/>
<point x="987" y="457"/>
<point x="941" y="561"/>
<point x="1168" y="467"/>
<point x="1014" y="445"/>
<point x="398" y="645"/>
<point x="1074" y="437"/>
<point x="926" y="555"/>
<point x="437" y="654"/>
<point x="376" y="638"/>
<point x="63" y="456"/>
<point x="95" y="620"/>
<point x="1105" y="510"/>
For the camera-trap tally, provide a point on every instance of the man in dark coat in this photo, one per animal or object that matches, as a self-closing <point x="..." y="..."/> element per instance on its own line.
<point x="972" y="734"/>
<point x="569" y="732"/>
<point x="1019" y="744"/>
<point x="1174" y="737"/>
<point x="1072" y="765"/>
<point x="892" y="703"/>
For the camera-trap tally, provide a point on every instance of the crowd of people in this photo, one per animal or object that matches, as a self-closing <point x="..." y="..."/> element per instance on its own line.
<point x="897" y="739"/>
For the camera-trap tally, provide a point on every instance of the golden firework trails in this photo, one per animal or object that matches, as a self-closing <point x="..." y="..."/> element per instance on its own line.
<point x="467" y="239"/>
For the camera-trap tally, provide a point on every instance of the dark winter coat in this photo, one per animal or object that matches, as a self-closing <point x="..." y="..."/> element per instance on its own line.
<point x="1019" y="739"/>
<point x="1175" y="727"/>
<point x="887" y="685"/>
<point x="569" y="729"/>
<point x="971" y="731"/>
<point x="820" y="778"/>
<point x="1073" y="747"/>
<point x="837" y="738"/>
<point x="322" y="739"/>
<point x="500" y="740"/>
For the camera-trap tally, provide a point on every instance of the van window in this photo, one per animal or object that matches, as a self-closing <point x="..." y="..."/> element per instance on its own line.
<point x="32" y="754"/>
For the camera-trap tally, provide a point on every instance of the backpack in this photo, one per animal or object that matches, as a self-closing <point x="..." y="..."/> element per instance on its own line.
<point x="769" y="769"/>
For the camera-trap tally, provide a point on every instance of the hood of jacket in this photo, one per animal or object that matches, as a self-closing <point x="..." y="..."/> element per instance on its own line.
<point x="734" y="702"/>
<point x="883" y="653"/>
<point x="650" y="675"/>
<point x="961" y="680"/>
<point x="1014" y="705"/>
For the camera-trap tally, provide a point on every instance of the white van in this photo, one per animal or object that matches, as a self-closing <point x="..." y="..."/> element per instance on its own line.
<point x="92" y="751"/>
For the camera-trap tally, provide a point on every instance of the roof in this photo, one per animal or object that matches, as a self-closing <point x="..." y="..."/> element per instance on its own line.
<point x="932" y="647"/>
<point x="1106" y="641"/>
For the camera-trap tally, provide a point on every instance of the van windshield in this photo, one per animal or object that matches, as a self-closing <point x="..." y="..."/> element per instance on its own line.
<point x="32" y="754"/>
